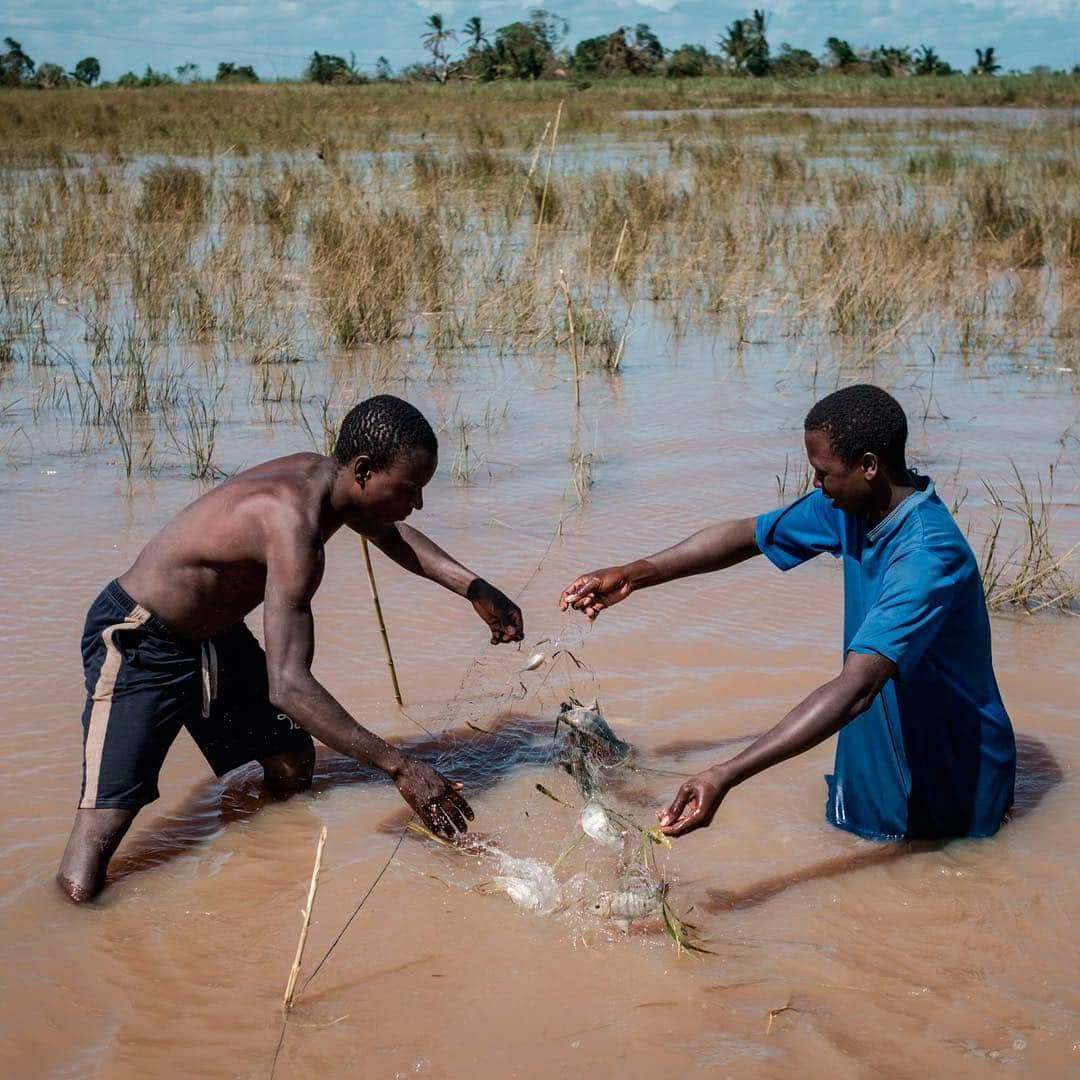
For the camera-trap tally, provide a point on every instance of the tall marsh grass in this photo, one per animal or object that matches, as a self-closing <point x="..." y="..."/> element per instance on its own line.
<point x="411" y="230"/>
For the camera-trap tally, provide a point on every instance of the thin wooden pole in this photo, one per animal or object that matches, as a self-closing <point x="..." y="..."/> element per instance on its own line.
<point x="382" y="622"/>
<point x="294" y="972"/>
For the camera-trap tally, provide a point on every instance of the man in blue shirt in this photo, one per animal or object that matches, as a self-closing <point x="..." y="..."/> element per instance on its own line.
<point x="925" y="746"/>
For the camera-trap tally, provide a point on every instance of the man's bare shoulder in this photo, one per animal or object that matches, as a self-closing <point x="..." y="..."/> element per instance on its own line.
<point x="275" y="500"/>
<point x="284" y="494"/>
<point x="292" y="480"/>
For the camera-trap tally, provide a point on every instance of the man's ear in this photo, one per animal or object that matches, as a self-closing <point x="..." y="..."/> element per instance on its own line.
<point x="362" y="469"/>
<point x="869" y="465"/>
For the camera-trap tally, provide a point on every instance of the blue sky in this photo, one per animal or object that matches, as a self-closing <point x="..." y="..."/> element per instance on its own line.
<point x="275" y="36"/>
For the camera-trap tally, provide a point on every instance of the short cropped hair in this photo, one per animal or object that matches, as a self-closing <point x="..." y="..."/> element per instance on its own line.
<point x="862" y="419"/>
<point x="383" y="427"/>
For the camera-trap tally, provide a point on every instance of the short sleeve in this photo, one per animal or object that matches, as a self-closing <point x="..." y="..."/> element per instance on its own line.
<point x="795" y="533"/>
<point x="916" y="594"/>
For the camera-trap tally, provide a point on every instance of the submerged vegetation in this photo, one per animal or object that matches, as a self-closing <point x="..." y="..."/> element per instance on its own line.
<point x="146" y="299"/>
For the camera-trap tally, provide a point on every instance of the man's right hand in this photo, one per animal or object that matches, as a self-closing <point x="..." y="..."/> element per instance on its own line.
<point x="434" y="798"/>
<point x="591" y="593"/>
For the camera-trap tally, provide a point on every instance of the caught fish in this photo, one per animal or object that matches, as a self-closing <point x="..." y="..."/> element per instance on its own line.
<point x="590" y="745"/>
<point x="589" y="724"/>
<point x="534" y="661"/>
<point x="637" y="897"/>
<point x="522" y="891"/>
<point x="529" y="883"/>
<point x="596" y="822"/>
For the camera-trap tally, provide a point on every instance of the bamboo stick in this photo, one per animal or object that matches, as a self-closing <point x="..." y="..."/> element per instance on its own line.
<point x="379" y="616"/>
<point x="294" y="972"/>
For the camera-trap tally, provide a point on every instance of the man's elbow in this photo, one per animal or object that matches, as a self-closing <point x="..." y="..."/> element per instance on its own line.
<point x="863" y="691"/>
<point x="287" y="690"/>
<point x="861" y="703"/>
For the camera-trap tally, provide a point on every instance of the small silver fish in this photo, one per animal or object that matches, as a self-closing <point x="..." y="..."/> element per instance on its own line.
<point x="590" y="724"/>
<point x="590" y="745"/>
<point x="637" y="897"/>
<point x="596" y="822"/>
<point x="522" y="891"/>
<point x="534" y="661"/>
<point x="529" y="883"/>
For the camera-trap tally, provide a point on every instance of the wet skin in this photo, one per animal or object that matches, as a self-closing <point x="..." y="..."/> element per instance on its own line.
<point x="260" y="538"/>
<point x="863" y="487"/>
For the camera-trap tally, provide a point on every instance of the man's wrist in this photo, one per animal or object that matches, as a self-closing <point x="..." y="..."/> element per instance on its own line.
<point x="392" y="761"/>
<point x="722" y="775"/>
<point x="642" y="573"/>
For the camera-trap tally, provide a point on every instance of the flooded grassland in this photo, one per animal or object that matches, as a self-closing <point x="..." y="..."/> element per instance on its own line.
<point x="167" y="321"/>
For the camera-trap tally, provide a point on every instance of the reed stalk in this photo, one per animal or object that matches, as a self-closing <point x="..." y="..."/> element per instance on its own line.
<point x="547" y="180"/>
<point x="294" y="971"/>
<point x="529" y="174"/>
<point x="573" y="338"/>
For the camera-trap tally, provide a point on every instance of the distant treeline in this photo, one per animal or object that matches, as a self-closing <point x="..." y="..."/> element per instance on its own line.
<point x="535" y="48"/>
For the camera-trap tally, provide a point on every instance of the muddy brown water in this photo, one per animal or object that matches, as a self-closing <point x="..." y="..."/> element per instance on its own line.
<point x="831" y="955"/>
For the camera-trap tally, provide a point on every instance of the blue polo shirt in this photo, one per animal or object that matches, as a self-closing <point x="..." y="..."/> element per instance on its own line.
<point x="934" y="755"/>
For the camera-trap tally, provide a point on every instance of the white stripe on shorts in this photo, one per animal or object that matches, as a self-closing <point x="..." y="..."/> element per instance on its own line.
<point x="102" y="697"/>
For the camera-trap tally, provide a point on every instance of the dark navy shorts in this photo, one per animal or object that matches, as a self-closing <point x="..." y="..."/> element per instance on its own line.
<point x="144" y="683"/>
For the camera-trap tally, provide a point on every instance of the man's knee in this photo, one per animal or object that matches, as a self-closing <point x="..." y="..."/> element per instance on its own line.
<point x="289" y="773"/>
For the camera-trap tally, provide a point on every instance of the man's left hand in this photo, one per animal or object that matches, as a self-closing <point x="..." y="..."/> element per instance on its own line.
<point x="502" y="615"/>
<point x="695" y="804"/>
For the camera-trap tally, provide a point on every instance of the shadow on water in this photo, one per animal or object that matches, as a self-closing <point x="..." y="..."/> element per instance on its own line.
<point x="1037" y="772"/>
<point x="480" y="759"/>
<point x="484" y="758"/>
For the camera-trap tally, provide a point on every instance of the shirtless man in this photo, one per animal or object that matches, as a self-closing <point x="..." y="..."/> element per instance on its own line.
<point x="165" y="645"/>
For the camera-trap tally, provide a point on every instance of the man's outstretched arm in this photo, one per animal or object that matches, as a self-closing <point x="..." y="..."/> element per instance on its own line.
<point x="713" y="548"/>
<point x="820" y="715"/>
<point x="294" y="570"/>
<point x="411" y="549"/>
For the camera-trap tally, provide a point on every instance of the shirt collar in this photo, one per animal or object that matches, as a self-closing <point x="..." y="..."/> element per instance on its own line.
<point x="889" y="524"/>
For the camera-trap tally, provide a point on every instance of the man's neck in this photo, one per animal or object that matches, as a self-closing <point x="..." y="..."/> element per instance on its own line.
<point x="334" y="502"/>
<point x="892" y="497"/>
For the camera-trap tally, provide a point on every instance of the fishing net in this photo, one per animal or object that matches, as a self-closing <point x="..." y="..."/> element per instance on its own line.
<point x="576" y="838"/>
<point x="577" y="852"/>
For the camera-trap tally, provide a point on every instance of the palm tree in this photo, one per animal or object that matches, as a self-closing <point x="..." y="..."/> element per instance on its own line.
<point x="475" y="33"/>
<point x="985" y="64"/>
<point x="435" y="42"/>
<point x="736" y="45"/>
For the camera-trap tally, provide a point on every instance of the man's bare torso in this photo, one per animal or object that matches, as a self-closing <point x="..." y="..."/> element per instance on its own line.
<point x="206" y="569"/>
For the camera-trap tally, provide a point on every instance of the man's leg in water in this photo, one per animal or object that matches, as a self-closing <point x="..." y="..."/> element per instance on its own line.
<point x="94" y="839"/>
<point x="141" y="682"/>
<point x="288" y="773"/>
